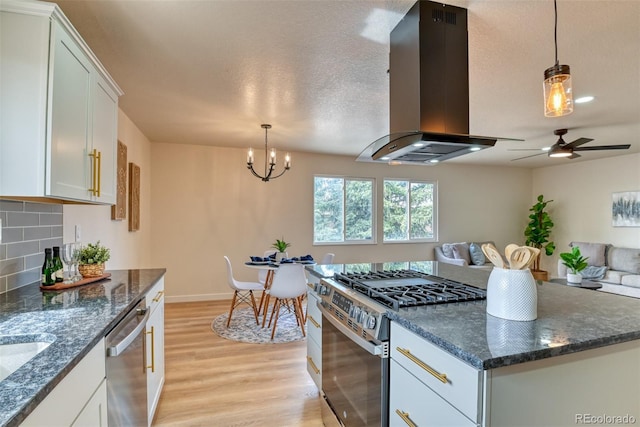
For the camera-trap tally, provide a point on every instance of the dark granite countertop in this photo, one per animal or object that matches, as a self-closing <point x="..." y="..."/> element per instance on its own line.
<point x="77" y="317"/>
<point x="569" y="320"/>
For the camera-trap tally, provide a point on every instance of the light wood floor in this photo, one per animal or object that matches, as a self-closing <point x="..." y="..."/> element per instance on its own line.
<point x="211" y="381"/>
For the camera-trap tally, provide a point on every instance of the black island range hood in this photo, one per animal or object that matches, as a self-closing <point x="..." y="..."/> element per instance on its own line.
<point x="429" y="89"/>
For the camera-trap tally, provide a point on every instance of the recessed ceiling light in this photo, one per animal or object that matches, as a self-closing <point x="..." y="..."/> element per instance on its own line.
<point x="474" y="149"/>
<point x="418" y="144"/>
<point x="546" y="148"/>
<point x="434" y="161"/>
<point x="385" y="158"/>
<point x="584" y="99"/>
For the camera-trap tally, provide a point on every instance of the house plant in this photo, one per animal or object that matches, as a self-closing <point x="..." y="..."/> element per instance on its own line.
<point x="281" y="246"/>
<point x="537" y="234"/>
<point x="92" y="259"/>
<point x="575" y="262"/>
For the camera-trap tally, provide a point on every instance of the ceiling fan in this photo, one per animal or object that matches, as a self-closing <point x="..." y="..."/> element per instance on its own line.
<point x="567" y="150"/>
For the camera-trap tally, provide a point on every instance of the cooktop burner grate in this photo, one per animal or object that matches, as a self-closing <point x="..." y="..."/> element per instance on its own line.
<point x="407" y="288"/>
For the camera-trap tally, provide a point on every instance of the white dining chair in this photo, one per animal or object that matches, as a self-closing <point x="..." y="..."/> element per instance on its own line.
<point x="289" y="285"/>
<point x="327" y="258"/>
<point x="242" y="292"/>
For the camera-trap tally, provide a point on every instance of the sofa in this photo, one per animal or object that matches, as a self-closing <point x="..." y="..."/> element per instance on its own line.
<point x="608" y="264"/>
<point x="464" y="254"/>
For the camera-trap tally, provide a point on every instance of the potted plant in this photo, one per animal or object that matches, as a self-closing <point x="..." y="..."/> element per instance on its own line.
<point x="575" y="262"/>
<point x="92" y="259"/>
<point x="281" y="246"/>
<point x="537" y="235"/>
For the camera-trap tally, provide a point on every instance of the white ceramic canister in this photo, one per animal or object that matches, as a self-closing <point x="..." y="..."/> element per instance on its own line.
<point x="512" y="294"/>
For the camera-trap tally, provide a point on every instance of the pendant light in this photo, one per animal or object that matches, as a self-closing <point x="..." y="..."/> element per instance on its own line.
<point x="269" y="160"/>
<point x="558" y="96"/>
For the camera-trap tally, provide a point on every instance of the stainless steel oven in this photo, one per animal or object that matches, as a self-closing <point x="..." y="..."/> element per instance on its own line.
<point x="355" y="363"/>
<point x="355" y="336"/>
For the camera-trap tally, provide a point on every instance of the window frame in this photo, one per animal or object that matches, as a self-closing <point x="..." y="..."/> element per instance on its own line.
<point x="410" y="181"/>
<point x="344" y="179"/>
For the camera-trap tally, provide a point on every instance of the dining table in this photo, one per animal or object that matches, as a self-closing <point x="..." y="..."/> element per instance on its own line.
<point x="271" y="267"/>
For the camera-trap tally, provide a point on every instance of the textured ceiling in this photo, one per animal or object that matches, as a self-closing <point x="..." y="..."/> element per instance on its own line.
<point x="210" y="72"/>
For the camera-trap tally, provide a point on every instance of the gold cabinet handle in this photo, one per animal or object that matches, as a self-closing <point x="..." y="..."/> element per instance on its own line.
<point x="313" y="365"/>
<point x="158" y="296"/>
<point x="99" y="158"/>
<point x="153" y="358"/>
<point x="405" y="352"/>
<point x="405" y="418"/>
<point x="94" y="172"/>
<point x="312" y="320"/>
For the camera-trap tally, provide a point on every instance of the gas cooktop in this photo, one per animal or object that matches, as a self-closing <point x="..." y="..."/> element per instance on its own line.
<point x="408" y="288"/>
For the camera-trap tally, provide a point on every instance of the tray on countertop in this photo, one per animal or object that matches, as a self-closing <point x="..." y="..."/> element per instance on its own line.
<point x="84" y="281"/>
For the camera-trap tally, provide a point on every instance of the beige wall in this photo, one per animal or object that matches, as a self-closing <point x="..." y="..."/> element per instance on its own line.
<point x="581" y="208"/>
<point x="206" y="204"/>
<point x="200" y="203"/>
<point x="128" y="249"/>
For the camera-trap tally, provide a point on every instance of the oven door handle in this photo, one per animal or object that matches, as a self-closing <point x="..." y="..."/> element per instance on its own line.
<point x="371" y="348"/>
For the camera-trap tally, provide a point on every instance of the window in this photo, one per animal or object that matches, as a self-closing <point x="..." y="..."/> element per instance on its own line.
<point x="343" y="210"/>
<point x="409" y="211"/>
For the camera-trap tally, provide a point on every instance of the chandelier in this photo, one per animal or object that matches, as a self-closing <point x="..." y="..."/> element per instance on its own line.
<point x="269" y="160"/>
<point x="558" y="99"/>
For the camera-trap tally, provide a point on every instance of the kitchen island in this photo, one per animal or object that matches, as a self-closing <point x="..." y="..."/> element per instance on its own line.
<point x="580" y="355"/>
<point x="76" y="319"/>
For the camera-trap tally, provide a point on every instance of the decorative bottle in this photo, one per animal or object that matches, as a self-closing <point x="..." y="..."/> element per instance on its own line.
<point x="57" y="262"/>
<point x="48" y="269"/>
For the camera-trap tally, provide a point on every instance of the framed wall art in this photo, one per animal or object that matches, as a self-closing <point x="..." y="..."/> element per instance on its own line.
<point x="119" y="210"/>
<point x="625" y="209"/>
<point x="134" y="197"/>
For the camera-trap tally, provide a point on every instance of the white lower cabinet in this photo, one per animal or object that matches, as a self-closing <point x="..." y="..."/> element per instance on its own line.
<point x="80" y="399"/>
<point x="94" y="413"/>
<point x="412" y="403"/>
<point x="429" y="385"/>
<point x="314" y="339"/>
<point x="155" y="347"/>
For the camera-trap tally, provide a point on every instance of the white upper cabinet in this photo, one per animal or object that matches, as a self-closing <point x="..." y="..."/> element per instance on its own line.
<point x="59" y="133"/>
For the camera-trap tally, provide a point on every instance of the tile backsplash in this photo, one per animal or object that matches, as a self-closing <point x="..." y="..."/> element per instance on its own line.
<point x="27" y="229"/>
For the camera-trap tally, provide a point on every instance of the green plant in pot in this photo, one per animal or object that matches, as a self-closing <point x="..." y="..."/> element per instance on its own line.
<point x="575" y="263"/>
<point x="281" y="246"/>
<point x="92" y="259"/>
<point x="537" y="234"/>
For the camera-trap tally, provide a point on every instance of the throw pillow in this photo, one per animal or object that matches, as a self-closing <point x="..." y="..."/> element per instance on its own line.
<point x="447" y="249"/>
<point x="461" y="251"/>
<point x="594" y="251"/>
<point x="477" y="256"/>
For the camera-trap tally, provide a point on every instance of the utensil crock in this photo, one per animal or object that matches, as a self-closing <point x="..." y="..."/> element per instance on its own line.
<point x="512" y="294"/>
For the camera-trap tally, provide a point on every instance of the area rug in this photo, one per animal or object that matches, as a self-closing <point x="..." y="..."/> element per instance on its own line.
<point x="243" y="327"/>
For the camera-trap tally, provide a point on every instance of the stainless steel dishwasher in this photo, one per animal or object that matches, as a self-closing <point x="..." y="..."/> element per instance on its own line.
<point x="126" y="370"/>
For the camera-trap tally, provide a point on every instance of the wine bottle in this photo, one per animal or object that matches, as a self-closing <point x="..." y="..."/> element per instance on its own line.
<point x="48" y="272"/>
<point x="57" y="262"/>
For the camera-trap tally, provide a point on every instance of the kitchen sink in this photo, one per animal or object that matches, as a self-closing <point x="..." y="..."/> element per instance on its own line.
<point x="16" y="350"/>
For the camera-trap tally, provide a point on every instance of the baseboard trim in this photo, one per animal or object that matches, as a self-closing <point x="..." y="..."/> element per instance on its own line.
<point x="201" y="297"/>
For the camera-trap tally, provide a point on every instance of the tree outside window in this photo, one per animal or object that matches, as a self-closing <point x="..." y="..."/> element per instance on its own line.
<point x="343" y="210"/>
<point x="409" y="210"/>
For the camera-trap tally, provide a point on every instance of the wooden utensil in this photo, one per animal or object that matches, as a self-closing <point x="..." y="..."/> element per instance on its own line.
<point x="493" y="255"/>
<point x="509" y="249"/>
<point x="520" y="258"/>
<point x="535" y="252"/>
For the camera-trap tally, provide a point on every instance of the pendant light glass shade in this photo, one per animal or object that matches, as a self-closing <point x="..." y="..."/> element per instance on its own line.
<point x="558" y="96"/>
